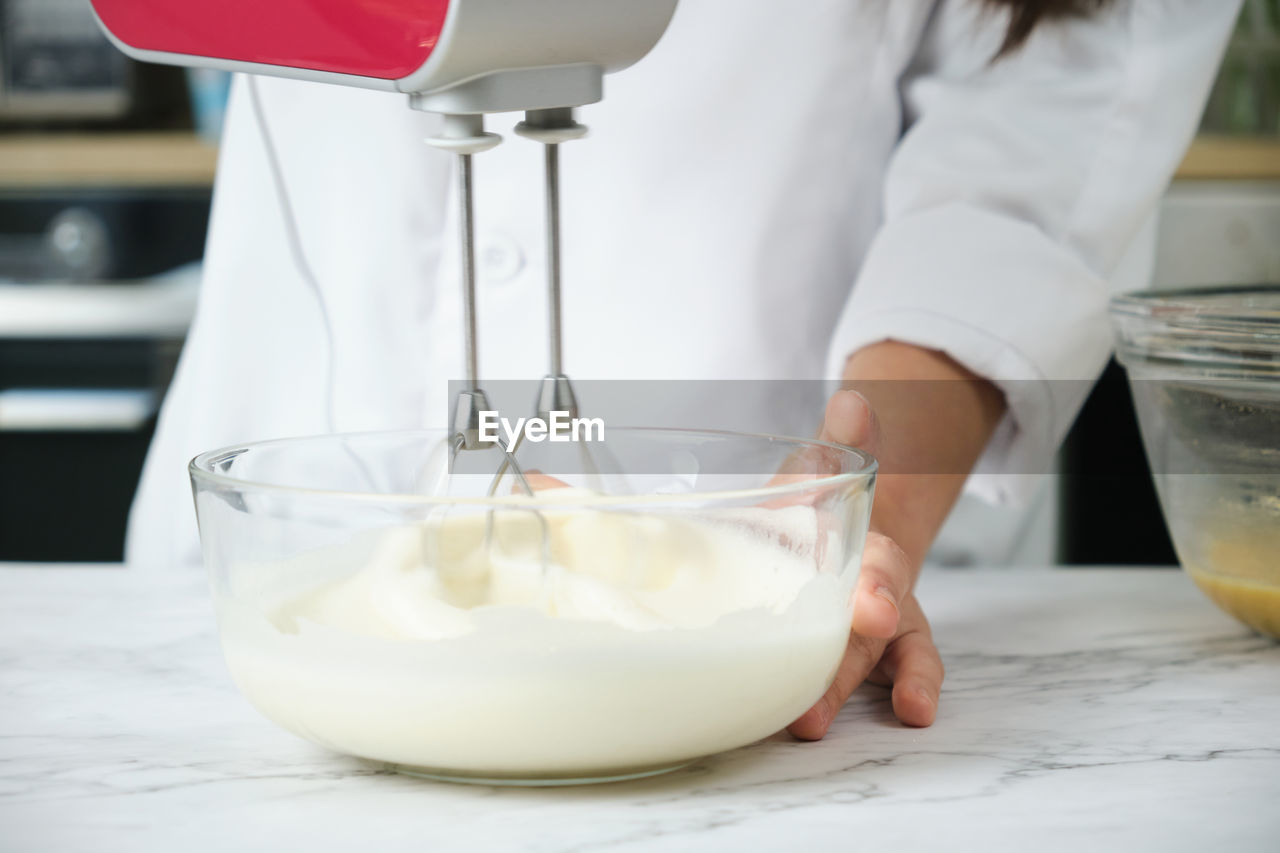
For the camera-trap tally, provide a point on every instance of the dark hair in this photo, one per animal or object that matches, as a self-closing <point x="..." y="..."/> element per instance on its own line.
<point x="1025" y="15"/>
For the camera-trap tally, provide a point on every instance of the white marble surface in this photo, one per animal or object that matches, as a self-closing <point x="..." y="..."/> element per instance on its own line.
<point x="1108" y="709"/>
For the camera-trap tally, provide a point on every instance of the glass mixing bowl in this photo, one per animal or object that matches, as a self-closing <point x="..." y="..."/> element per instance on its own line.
<point x="697" y="600"/>
<point x="1204" y="367"/>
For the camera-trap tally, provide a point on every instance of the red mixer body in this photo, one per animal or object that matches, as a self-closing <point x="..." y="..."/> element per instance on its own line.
<point x="451" y="56"/>
<point x="382" y="39"/>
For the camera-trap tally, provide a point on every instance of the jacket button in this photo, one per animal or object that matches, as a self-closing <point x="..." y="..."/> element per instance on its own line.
<point x="499" y="258"/>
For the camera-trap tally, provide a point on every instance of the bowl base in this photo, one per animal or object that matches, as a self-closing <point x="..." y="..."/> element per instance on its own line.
<point x="1255" y="604"/>
<point x="440" y="775"/>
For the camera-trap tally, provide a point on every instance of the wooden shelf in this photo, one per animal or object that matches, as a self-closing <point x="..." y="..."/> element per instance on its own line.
<point x="182" y="159"/>
<point x="1231" y="158"/>
<point x="106" y="159"/>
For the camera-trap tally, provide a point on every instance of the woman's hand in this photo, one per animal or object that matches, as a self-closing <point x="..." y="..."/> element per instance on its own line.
<point x="890" y="642"/>
<point x="926" y="419"/>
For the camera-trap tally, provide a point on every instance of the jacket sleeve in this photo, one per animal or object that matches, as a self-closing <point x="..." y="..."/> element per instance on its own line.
<point x="1015" y="192"/>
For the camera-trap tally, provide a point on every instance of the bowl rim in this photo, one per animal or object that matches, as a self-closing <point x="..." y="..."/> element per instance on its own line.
<point x="199" y="471"/>
<point x="1179" y="305"/>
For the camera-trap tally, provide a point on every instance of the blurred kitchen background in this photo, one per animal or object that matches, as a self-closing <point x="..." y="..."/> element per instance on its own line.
<point x="106" y="169"/>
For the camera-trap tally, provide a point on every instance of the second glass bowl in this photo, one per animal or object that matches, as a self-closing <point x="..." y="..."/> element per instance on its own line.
<point x="1204" y="368"/>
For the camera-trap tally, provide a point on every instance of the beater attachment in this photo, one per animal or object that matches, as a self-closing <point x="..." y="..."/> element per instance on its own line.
<point x="465" y="136"/>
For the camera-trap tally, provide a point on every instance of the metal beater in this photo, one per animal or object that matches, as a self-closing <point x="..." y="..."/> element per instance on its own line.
<point x="465" y="136"/>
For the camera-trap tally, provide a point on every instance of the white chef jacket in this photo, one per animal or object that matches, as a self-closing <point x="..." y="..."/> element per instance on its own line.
<point x="773" y="187"/>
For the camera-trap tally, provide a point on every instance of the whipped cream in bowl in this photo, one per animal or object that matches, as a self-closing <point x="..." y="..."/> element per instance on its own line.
<point x="575" y="635"/>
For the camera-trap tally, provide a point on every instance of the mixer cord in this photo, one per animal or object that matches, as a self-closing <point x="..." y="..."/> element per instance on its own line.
<point x="293" y="238"/>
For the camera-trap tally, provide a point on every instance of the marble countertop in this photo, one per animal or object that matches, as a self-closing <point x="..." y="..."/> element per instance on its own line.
<point x="1110" y="708"/>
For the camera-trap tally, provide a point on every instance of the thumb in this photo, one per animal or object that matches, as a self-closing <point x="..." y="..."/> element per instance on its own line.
<point x="850" y="421"/>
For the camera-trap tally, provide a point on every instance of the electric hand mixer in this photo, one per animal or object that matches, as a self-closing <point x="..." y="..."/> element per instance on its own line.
<point x="459" y="58"/>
